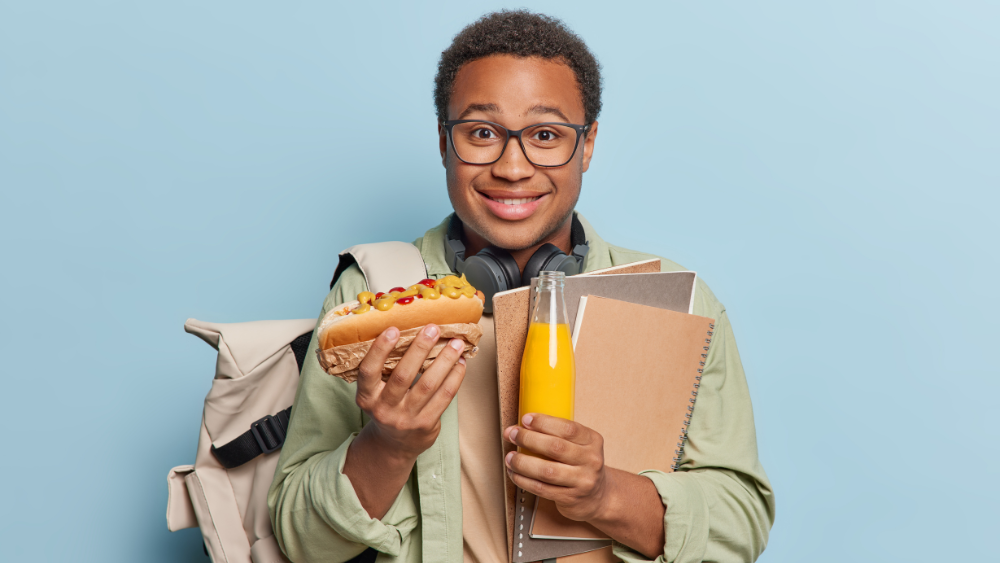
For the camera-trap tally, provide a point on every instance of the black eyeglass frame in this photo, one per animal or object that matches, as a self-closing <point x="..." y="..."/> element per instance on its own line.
<point x="581" y="130"/>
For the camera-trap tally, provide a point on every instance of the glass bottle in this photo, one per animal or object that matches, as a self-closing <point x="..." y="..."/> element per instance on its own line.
<point x="548" y="373"/>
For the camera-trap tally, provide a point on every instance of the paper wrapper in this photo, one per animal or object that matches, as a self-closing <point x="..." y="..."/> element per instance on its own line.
<point x="343" y="361"/>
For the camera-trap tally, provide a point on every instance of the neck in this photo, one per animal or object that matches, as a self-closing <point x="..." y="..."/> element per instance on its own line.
<point x="474" y="242"/>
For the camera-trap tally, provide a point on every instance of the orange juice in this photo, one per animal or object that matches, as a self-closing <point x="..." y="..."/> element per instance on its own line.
<point x="548" y="376"/>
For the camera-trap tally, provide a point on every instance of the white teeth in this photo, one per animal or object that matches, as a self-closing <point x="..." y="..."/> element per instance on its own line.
<point x="518" y="201"/>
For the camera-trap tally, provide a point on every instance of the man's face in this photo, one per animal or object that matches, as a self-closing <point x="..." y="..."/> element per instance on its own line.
<point x="515" y="92"/>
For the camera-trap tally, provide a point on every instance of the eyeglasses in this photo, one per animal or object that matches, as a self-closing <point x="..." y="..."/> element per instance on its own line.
<point x="544" y="144"/>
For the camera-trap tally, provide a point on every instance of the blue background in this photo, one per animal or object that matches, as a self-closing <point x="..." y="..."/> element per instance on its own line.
<point x="831" y="171"/>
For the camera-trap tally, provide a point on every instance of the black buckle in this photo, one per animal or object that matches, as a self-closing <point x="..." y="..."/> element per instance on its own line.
<point x="268" y="433"/>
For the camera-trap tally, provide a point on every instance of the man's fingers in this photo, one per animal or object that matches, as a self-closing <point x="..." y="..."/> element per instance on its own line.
<point x="565" y="429"/>
<point x="546" y="471"/>
<point x="447" y="391"/>
<point x="551" y="447"/>
<point x="409" y="366"/>
<point x="370" y="370"/>
<point x="537" y="488"/>
<point x="433" y="376"/>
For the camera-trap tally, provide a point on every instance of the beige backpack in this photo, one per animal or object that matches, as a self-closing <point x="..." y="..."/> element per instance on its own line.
<point x="247" y="412"/>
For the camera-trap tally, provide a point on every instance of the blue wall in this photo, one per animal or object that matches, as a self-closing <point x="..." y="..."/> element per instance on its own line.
<point x="830" y="171"/>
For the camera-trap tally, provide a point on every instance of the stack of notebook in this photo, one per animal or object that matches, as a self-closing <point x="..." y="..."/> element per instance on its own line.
<point x="639" y="354"/>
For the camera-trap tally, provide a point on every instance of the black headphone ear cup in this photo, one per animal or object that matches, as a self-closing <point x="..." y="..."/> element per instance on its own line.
<point x="568" y="265"/>
<point x="491" y="271"/>
<point x="540" y="261"/>
<point x="505" y="263"/>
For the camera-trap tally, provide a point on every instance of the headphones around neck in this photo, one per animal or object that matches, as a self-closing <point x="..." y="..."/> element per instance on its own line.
<point x="493" y="269"/>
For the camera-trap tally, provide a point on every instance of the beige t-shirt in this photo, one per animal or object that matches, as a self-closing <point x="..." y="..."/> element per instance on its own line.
<point x="484" y="528"/>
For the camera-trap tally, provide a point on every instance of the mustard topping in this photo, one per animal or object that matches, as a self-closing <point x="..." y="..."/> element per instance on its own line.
<point x="451" y="286"/>
<point x="408" y="293"/>
<point x="429" y="292"/>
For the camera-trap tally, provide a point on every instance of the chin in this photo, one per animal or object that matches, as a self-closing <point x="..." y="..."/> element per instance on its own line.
<point x="515" y="235"/>
<point x="512" y="241"/>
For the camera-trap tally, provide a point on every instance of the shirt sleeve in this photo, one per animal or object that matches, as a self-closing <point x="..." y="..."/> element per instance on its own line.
<point x="315" y="511"/>
<point x="719" y="503"/>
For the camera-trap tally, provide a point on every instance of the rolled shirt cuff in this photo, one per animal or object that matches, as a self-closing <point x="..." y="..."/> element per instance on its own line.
<point x="685" y="520"/>
<point x="351" y="520"/>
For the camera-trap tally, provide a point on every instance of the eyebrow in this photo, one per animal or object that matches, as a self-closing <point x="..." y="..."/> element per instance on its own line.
<point x="485" y="108"/>
<point x="540" y="109"/>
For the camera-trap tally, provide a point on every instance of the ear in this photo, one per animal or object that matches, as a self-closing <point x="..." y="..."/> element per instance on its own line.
<point x="588" y="146"/>
<point x="443" y="143"/>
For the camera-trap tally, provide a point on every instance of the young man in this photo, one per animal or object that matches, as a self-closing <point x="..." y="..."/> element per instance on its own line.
<point x="416" y="473"/>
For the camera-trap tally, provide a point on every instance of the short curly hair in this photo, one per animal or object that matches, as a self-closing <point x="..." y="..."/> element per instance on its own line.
<point x="523" y="34"/>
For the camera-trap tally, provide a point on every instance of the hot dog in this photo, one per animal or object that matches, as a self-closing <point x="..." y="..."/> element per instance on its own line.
<point x="347" y="332"/>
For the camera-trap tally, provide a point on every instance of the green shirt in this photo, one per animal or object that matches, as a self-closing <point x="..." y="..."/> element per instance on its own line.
<point x="719" y="504"/>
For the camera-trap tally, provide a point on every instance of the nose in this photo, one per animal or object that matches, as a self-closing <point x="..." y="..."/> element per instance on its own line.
<point x="513" y="164"/>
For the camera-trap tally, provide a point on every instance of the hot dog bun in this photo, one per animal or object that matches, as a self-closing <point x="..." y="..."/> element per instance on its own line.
<point x="338" y="330"/>
<point x="345" y="361"/>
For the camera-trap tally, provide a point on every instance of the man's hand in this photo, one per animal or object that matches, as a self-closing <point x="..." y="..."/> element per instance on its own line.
<point x="407" y="420"/>
<point x="625" y="506"/>
<point x="405" y="417"/>
<point x="573" y="476"/>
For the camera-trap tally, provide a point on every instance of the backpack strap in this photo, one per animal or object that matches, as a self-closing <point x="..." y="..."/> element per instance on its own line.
<point x="300" y="347"/>
<point x="385" y="265"/>
<point x="265" y="436"/>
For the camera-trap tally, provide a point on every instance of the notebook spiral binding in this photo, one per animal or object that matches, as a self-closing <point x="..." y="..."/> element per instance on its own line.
<point x="682" y="439"/>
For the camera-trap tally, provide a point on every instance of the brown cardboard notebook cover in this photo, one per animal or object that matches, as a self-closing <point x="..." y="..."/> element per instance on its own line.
<point x="510" y="317"/>
<point x="602" y="555"/>
<point x="637" y="373"/>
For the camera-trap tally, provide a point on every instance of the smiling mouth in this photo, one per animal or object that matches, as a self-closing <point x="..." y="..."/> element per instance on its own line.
<point x="517" y="201"/>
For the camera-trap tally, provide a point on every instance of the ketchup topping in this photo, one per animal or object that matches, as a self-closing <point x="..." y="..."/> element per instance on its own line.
<point x="398" y="289"/>
<point x="428" y="282"/>
<point x="379" y="294"/>
<point x="404" y="301"/>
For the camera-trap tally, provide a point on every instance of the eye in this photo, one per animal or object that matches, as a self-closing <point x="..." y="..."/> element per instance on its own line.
<point x="484" y="134"/>
<point x="547" y="135"/>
